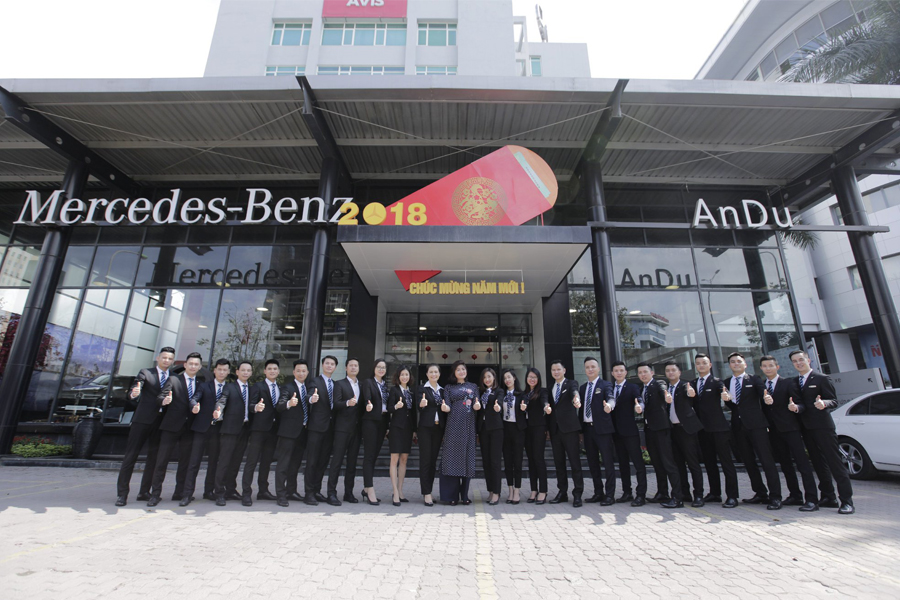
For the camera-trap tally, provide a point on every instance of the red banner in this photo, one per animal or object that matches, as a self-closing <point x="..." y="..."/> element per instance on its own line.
<point x="388" y="9"/>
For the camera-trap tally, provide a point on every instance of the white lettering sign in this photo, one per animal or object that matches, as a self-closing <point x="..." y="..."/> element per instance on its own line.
<point x="755" y="215"/>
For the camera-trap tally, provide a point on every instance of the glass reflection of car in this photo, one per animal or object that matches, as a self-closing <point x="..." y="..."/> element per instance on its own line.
<point x="92" y="394"/>
<point x="867" y="430"/>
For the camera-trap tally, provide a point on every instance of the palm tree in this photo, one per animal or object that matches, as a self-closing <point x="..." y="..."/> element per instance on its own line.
<point x="866" y="53"/>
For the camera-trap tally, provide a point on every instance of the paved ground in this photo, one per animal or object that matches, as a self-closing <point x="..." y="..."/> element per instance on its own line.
<point x="61" y="537"/>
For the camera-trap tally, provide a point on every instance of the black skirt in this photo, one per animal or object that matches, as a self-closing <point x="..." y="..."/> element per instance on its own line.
<point x="400" y="441"/>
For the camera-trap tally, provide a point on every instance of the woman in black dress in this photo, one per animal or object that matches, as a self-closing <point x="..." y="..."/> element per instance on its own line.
<point x="514" y="424"/>
<point x="374" y="395"/>
<point x="458" y="450"/>
<point x="430" y="430"/>
<point x="534" y="402"/>
<point x="490" y="433"/>
<point x="403" y="425"/>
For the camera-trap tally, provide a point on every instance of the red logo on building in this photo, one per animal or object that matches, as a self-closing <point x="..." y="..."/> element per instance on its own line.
<point x="389" y="9"/>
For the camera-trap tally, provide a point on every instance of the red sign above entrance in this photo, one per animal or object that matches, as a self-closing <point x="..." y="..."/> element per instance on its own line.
<point x="389" y="9"/>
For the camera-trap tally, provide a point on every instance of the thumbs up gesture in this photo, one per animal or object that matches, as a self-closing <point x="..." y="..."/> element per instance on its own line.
<point x="496" y="407"/>
<point x="576" y="401"/>
<point x="767" y="398"/>
<point x="196" y="408"/>
<point x="791" y="406"/>
<point x="477" y="405"/>
<point x="217" y="413"/>
<point x="547" y="409"/>
<point x="424" y="401"/>
<point x="168" y="399"/>
<point x="352" y="401"/>
<point x="726" y="396"/>
<point x="136" y="391"/>
<point x="637" y="407"/>
<point x="315" y="397"/>
<point x="691" y="392"/>
<point x="260" y="406"/>
<point x="293" y="401"/>
<point x="399" y="404"/>
<point x="369" y="405"/>
<point x="523" y="406"/>
<point x="669" y="398"/>
<point x="819" y="403"/>
<point x="606" y="407"/>
<point x="444" y="406"/>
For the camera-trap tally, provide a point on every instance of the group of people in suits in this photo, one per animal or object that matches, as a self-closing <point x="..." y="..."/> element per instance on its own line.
<point x="773" y="420"/>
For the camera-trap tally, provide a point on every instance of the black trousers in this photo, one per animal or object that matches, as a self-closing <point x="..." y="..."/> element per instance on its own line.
<point x="231" y="453"/>
<point x="825" y="445"/>
<point x="756" y="442"/>
<point x="179" y="443"/>
<point x="212" y="458"/>
<point x="288" y="456"/>
<point x="659" y="446"/>
<point x="823" y="473"/>
<point x="686" y="451"/>
<point x="373" y="439"/>
<point x="491" y="458"/>
<point x="535" y="444"/>
<point x="567" y="445"/>
<point x="628" y="451"/>
<point x="600" y="447"/>
<point x="789" y="449"/>
<point x="260" y="452"/>
<point x="318" y="449"/>
<point x="199" y="443"/>
<point x="716" y="448"/>
<point x="138" y="435"/>
<point x="513" y="444"/>
<point x="429" y="446"/>
<point x="346" y="444"/>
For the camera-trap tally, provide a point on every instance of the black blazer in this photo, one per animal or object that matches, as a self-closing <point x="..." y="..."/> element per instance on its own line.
<point x="232" y="403"/>
<point x="709" y="405"/>
<point x="780" y="418"/>
<point x="684" y="409"/>
<point x="534" y="407"/>
<point x="401" y="418"/>
<point x="521" y="416"/>
<point x="603" y="422"/>
<point x="370" y="391"/>
<point x="749" y="411"/>
<point x="816" y="384"/>
<point x="320" y="413"/>
<point x="564" y="417"/>
<point x="148" y="407"/>
<point x="203" y="419"/>
<point x="426" y="415"/>
<point x="346" y="418"/>
<point x="290" y="420"/>
<point x="178" y="412"/>
<point x="623" y="413"/>
<point x="488" y="419"/>
<point x="656" y="409"/>
<point x="266" y="420"/>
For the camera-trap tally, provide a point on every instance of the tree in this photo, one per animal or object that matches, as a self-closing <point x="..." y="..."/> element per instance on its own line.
<point x="585" y="332"/>
<point x="866" y="53"/>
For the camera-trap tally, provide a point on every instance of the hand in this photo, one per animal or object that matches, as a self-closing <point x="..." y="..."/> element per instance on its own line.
<point x="315" y="397"/>
<point x="168" y="399"/>
<point x="726" y="396"/>
<point x="352" y="401"/>
<point x="424" y="401"/>
<point x="576" y="401"/>
<point x="260" y="406"/>
<point x="135" y="392"/>
<point x="216" y="414"/>
<point x="606" y="407"/>
<point x="637" y="407"/>
<point x="523" y="406"/>
<point x="293" y="401"/>
<point x="444" y="406"/>
<point x="476" y="406"/>
<point x="669" y="398"/>
<point x="820" y="404"/>
<point x="547" y="409"/>
<point x="497" y="407"/>
<point x="369" y="406"/>
<point x="791" y="406"/>
<point x="196" y="408"/>
<point x="691" y="392"/>
<point x="767" y="398"/>
<point x="399" y="405"/>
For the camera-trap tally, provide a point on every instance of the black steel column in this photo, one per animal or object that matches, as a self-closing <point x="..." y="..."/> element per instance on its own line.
<point x="871" y="272"/>
<point x="316" y="292"/>
<point x="601" y="265"/>
<point x="19" y="367"/>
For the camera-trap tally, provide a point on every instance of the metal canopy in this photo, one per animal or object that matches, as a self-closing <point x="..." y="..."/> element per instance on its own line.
<point x="252" y="129"/>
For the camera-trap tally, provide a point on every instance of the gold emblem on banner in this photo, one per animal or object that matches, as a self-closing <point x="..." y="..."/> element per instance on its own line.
<point x="479" y="201"/>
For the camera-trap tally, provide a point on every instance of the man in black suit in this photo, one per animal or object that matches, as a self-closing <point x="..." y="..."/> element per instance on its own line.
<point x="627" y="437"/>
<point x="293" y="408"/>
<point x="597" y="424"/>
<point x="320" y="431"/>
<point x="744" y="393"/>
<point x="817" y="400"/>
<point x="202" y="428"/>
<point x="658" y="430"/>
<point x="715" y="441"/>
<point x="144" y="426"/>
<point x="233" y="409"/>
<point x="564" y="427"/>
<point x="263" y="427"/>
<point x="346" y="433"/>
<point x="784" y="435"/>
<point x="181" y="395"/>
<point x="214" y="388"/>
<point x="685" y="426"/>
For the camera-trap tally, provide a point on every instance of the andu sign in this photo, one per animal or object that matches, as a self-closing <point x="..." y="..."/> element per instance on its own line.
<point x="754" y="213"/>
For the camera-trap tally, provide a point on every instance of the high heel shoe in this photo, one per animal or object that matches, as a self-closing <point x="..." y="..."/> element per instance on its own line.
<point x="403" y="500"/>
<point x="365" y="497"/>
<point x="395" y="502"/>
<point x="428" y="504"/>
<point x="544" y="501"/>
<point x="495" y="502"/>
<point x="531" y="499"/>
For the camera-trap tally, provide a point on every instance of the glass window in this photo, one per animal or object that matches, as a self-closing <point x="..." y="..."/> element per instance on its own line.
<point x="535" y="66"/>
<point x="12" y="301"/>
<point x="332" y="34"/>
<point x="810" y="35"/>
<point x="786" y="48"/>
<point x="740" y="268"/>
<point x="732" y="326"/>
<point x="860" y="408"/>
<point x="648" y="268"/>
<point x="437" y="34"/>
<point x="75" y="267"/>
<point x="435" y="70"/>
<point x="582" y="273"/>
<point x="114" y="266"/>
<point x="855" y="281"/>
<point x="291" y="34"/>
<point x="778" y="332"/>
<point x="886" y="403"/>
<point x="285" y="71"/>
<point x="365" y="34"/>
<point x="836" y="13"/>
<point x="396" y="34"/>
<point x="836" y="215"/>
<point x="19" y="265"/>
<point x="768" y="64"/>
<point x="268" y="266"/>
<point x="891" y="266"/>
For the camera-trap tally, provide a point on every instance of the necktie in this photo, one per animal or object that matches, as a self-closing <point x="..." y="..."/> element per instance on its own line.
<point x="588" y="413"/>
<point x="737" y="389"/>
<point x="384" y="396"/>
<point x="274" y="394"/>
<point x="303" y="403"/>
<point x="672" y="393"/>
<point x="510" y="401"/>
<point x="244" y="394"/>
<point x="618" y="389"/>
<point x="190" y="388"/>
<point x="408" y="398"/>
<point x="700" y="383"/>
<point x="770" y="386"/>
<point x="437" y="396"/>
<point x="484" y="399"/>
<point x="219" y="391"/>
<point x="802" y="380"/>
<point x="558" y="392"/>
<point x="644" y="394"/>
<point x="330" y="396"/>
<point x="162" y="378"/>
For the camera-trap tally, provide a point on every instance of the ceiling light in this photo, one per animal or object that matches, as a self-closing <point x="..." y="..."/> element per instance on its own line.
<point x="202" y="327"/>
<point x="289" y="327"/>
<point x="572" y="310"/>
<point x="160" y="305"/>
<point x="338" y="309"/>
<point x="423" y="328"/>
<point x="262" y="309"/>
<point x="634" y="312"/>
<point x="672" y="287"/>
<point x="490" y="328"/>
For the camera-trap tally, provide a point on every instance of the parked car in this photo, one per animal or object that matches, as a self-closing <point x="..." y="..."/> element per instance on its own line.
<point x="868" y="429"/>
<point x="92" y="394"/>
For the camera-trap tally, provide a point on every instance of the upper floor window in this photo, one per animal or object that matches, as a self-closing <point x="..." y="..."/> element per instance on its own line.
<point x="364" y="34"/>
<point x="291" y="34"/>
<point x="437" y="34"/>
<point x="536" y="70"/>
<point x="435" y="70"/>
<point x="290" y="71"/>
<point x="348" y="70"/>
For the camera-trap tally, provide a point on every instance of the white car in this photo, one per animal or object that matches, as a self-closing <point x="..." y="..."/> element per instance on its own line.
<point x="868" y="429"/>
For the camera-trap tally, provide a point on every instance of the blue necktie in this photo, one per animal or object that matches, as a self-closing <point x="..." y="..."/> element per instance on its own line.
<point x="771" y="387"/>
<point x="190" y="388"/>
<point x="244" y="394"/>
<point x="737" y="389"/>
<point x="618" y="389"/>
<point x="274" y="394"/>
<point x="558" y="392"/>
<point x="802" y="381"/>
<point x="588" y="413"/>
<point x="330" y="396"/>
<point x="408" y="397"/>
<point x="304" y="404"/>
<point x="219" y="392"/>
<point x="700" y="385"/>
<point x="384" y="396"/>
<point x="162" y="378"/>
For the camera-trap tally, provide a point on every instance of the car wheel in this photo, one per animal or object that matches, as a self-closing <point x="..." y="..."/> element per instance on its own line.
<point x="856" y="459"/>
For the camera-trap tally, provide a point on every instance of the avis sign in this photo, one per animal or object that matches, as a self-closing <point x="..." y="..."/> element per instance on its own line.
<point x="392" y="9"/>
<point x="754" y="213"/>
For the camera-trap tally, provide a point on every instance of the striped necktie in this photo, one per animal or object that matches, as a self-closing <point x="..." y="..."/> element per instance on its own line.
<point x="737" y="389"/>
<point x="274" y="394"/>
<point x="588" y="413"/>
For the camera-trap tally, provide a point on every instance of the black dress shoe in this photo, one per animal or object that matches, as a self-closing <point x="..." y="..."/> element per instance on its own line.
<point x="405" y="500"/>
<point x="626" y="497"/>
<point x="672" y="503"/>
<point x="560" y="498"/>
<point x="209" y="496"/>
<point x="576" y="501"/>
<point x="544" y="501"/>
<point x="608" y="501"/>
<point x="494" y="503"/>
<point x="508" y="501"/>
<point x="730" y="503"/>
<point x="846" y="509"/>
<point x="698" y="502"/>
<point x="828" y="503"/>
<point x="295" y="496"/>
<point x="176" y="497"/>
<point x="142" y="497"/>
<point x="220" y="501"/>
<point x="639" y="501"/>
<point x="365" y="497"/>
<point x="333" y="500"/>
<point x="350" y="498"/>
<point x="121" y="500"/>
<point x="430" y="504"/>
<point x="311" y="500"/>
<point x="658" y="498"/>
<point x="153" y="501"/>
<point x="185" y="501"/>
<point x="283" y="502"/>
<point x="792" y="501"/>
<point x="756" y="499"/>
<point x="774" y="505"/>
<point x="809" y="507"/>
<point x="595" y="498"/>
<point x="712" y="498"/>
<point x="320" y="497"/>
<point x="531" y="500"/>
<point x="265" y="496"/>
<point x="233" y="496"/>
<point x="247" y="500"/>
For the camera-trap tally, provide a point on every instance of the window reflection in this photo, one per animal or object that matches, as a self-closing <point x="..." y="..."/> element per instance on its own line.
<point x="651" y="268"/>
<point x="19" y="265"/>
<point x="740" y="268"/>
<point x="733" y="326"/>
<point x="114" y="266"/>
